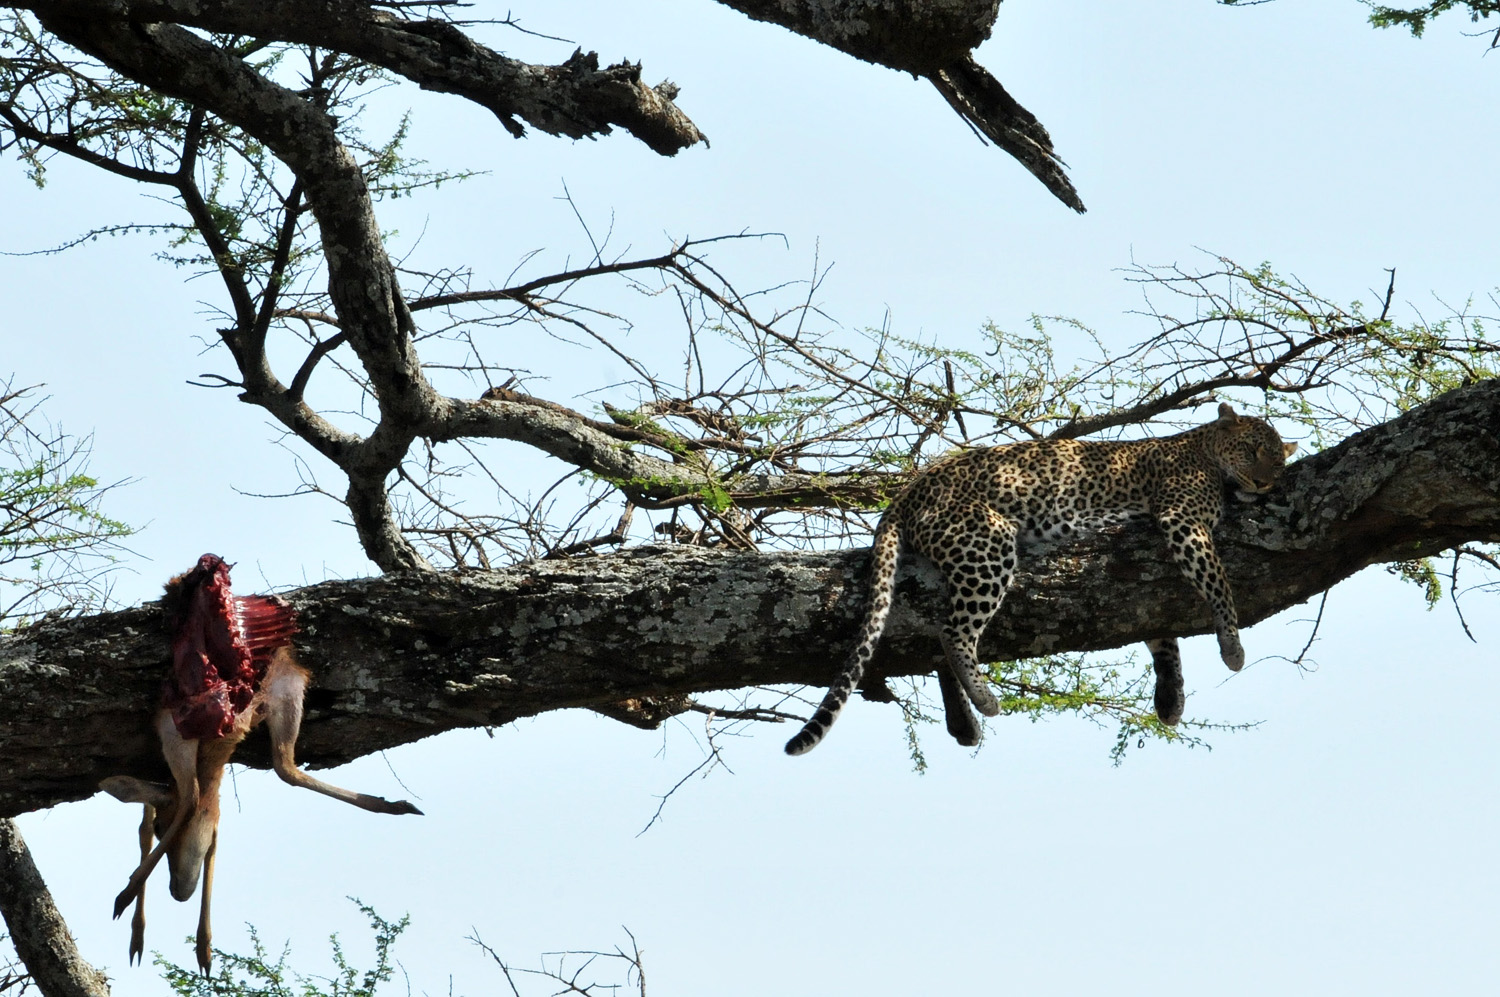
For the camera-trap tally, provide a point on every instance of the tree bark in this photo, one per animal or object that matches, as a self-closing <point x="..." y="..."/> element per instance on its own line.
<point x="411" y="654"/>
<point x="919" y="36"/>
<point x="40" y="935"/>
<point x="933" y="39"/>
<point x="576" y="99"/>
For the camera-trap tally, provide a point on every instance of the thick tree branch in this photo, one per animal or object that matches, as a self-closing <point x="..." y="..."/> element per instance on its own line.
<point x="919" y="36"/>
<point x="177" y="62"/>
<point x="983" y="101"/>
<point x="576" y="99"/>
<point x="933" y="39"/>
<point x="604" y="449"/>
<point x="40" y="935"/>
<point x="361" y="279"/>
<point x="408" y="655"/>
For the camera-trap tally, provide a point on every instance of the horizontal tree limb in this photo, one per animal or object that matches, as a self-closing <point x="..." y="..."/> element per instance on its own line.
<point x="411" y="654"/>
<point x="576" y="99"/>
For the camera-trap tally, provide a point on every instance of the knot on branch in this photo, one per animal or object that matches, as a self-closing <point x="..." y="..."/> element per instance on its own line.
<point x="645" y="712"/>
<point x="646" y="112"/>
<point x="445" y="33"/>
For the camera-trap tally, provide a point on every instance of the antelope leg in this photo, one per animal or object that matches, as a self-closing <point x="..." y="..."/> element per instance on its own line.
<point x="182" y="759"/>
<point x="138" y="917"/>
<point x="205" y="934"/>
<point x="282" y="691"/>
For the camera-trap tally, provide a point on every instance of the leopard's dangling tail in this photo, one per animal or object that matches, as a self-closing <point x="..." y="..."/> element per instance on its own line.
<point x="882" y="592"/>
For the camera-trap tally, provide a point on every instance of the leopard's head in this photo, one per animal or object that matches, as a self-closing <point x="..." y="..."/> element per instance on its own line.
<point x="1249" y="450"/>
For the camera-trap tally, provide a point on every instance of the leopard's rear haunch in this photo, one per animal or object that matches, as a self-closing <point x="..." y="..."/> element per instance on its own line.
<point x="973" y="511"/>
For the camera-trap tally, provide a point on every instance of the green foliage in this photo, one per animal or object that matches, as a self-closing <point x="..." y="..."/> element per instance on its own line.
<point x="1415" y="18"/>
<point x="244" y="214"/>
<point x="715" y="498"/>
<point x="1412" y="18"/>
<point x="256" y="975"/>
<point x="1333" y="369"/>
<point x="56" y="546"/>
<point x="911" y="718"/>
<point x="1101" y="688"/>
<point x="1433" y="358"/>
<point x="1421" y="573"/>
<point x="1106" y="690"/>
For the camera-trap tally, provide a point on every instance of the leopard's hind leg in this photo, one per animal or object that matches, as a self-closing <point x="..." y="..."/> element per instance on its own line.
<point x="960" y="720"/>
<point x="975" y="549"/>
<point x="1167" y="661"/>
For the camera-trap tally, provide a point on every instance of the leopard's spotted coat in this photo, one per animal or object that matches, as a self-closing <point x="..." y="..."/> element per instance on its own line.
<point x="971" y="511"/>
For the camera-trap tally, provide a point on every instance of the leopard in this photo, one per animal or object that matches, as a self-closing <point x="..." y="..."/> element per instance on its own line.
<point x="973" y="512"/>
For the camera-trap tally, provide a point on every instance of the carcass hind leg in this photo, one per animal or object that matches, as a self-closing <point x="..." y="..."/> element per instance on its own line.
<point x="147" y="834"/>
<point x="205" y="934"/>
<point x="283" y="688"/>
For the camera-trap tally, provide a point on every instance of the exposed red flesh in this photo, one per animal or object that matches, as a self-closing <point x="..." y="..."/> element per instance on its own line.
<point x="221" y="644"/>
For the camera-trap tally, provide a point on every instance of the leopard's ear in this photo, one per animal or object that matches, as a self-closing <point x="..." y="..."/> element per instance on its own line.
<point x="1287" y="449"/>
<point x="1227" y="413"/>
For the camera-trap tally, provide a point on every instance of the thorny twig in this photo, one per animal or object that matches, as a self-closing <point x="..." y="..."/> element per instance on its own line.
<point x="572" y="978"/>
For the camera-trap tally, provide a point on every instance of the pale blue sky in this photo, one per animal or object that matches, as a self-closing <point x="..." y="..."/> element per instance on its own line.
<point x="1345" y="845"/>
